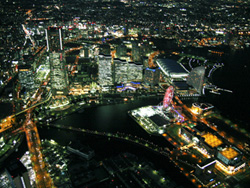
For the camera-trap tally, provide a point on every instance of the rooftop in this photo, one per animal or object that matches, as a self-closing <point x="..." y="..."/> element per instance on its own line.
<point x="212" y="140"/>
<point x="172" y="68"/>
<point x="229" y="153"/>
<point x="181" y="85"/>
<point x="159" y="120"/>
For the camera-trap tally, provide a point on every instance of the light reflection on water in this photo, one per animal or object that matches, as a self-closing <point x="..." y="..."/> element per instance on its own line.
<point x="111" y="118"/>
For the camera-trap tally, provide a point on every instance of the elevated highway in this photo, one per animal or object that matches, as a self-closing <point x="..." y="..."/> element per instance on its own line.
<point x="43" y="179"/>
<point x="7" y="122"/>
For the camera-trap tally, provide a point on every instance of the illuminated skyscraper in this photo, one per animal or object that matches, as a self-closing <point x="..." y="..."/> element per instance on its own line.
<point x="196" y="78"/>
<point x="136" y="55"/>
<point x="126" y="71"/>
<point x="54" y="39"/>
<point x="120" y="71"/>
<point x="58" y="72"/>
<point x="152" y="76"/>
<point x="26" y="78"/>
<point x="105" y="70"/>
<point x="145" y="49"/>
<point x="135" y="71"/>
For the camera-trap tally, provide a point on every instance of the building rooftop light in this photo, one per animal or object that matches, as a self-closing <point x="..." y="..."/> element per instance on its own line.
<point x="212" y="140"/>
<point x="229" y="153"/>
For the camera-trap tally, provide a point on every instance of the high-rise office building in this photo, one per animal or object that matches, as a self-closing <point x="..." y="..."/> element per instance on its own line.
<point x="196" y="78"/>
<point x="54" y="39"/>
<point x="136" y="55"/>
<point x="145" y="62"/>
<point x="26" y="78"/>
<point x="152" y="76"/>
<point x="58" y="72"/>
<point x="135" y="71"/>
<point x="120" y="71"/>
<point x="124" y="72"/>
<point x="105" y="70"/>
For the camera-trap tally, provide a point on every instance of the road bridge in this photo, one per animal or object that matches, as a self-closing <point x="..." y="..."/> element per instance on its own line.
<point x="122" y="136"/>
<point x="7" y="122"/>
<point x="43" y="179"/>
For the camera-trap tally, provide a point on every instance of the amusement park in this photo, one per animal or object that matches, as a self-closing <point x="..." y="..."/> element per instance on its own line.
<point x="197" y="142"/>
<point x="155" y="119"/>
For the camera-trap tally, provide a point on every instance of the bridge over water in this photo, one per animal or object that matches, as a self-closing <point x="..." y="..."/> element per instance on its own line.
<point x="122" y="136"/>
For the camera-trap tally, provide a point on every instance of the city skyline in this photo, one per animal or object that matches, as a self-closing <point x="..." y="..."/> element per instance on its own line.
<point x="174" y="72"/>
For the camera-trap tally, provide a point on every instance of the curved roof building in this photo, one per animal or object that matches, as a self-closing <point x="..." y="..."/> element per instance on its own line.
<point x="196" y="78"/>
<point x="172" y="68"/>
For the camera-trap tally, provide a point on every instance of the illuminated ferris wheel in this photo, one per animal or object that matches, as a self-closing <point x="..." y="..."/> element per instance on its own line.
<point x="168" y="97"/>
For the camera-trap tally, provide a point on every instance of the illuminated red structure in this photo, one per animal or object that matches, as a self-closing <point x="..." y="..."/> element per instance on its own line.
<point x="151" y="58"/>
<point x="168" y="97"/>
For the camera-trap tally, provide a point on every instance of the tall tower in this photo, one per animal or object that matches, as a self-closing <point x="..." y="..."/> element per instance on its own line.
<point x="58" y="72"/>
<point x="26" y="79"/>
<point x="54" y="39"/>
<point x="136" y="55"/>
